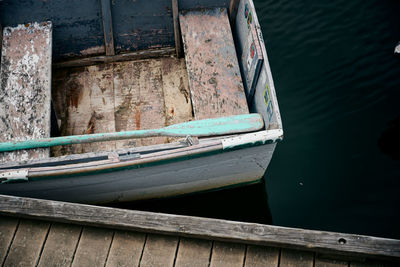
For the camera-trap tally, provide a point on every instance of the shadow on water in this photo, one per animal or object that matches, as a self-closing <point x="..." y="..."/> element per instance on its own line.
<point x="247" y="204"/>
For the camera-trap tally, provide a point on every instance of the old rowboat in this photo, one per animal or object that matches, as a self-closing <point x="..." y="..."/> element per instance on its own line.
<point x="90" y="67"/>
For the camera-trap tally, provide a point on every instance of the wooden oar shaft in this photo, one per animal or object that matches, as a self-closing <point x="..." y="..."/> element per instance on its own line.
<point x="208" y="127"/>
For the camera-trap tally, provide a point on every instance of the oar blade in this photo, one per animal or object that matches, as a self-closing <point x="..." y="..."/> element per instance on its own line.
<point x="217" y="126"/>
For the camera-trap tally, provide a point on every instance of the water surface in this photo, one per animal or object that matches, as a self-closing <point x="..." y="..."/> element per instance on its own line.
<point x="338" y="87"/>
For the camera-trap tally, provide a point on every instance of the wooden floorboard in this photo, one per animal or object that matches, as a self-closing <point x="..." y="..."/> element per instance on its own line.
<point x="261" y="256"/>
<point x="227" y="254"/>
<point x="126" y="249"/>
<point x="296" y="258"/>
<point x="27" y="244"/>
<point x="8" y="226"/>
<point x="25" y="90"/>
<point x="60" y="245"/>
<point x="122" y="96"/>
<point x="93" y="247"/>
<point x="84" y="101"/>
<point x="160" y="250"/>
<point x="213" y="70"/>
<point x="139" y="101"/>
<point x="178" y="105"/>
<point x="193" y="252"/>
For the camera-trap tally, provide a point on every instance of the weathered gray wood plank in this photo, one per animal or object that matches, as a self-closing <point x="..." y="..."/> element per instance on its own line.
<point x="321" y="262"/>
<point x="93" y="247"/>
<point x="139" y="102"/>
<point x="27" y="244"/>
<point x="25" y="91"/>
<point x="136" y="55"/>
<point x="193" y="253"/>
<point x="261" y="256"/>
<point x="214" y="77"/>
<point x="296" y="258"/>
<point x="126" y="249"/>
<point x="60" y="245"/>
<point x="196" y="227"/>
<point x="8" y="226"/>
<point x="84" y="100"/>
<point x="159" y="250"/>
<point x="227" y="254"/>
<point x="178" y="106"/>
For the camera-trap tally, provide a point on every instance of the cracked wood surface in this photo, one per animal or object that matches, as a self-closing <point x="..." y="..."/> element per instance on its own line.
<point x="121" y="96"/>
<point x="213" y="70"/>
<point x="25" y="92"/>
<point x="27" y="242"/>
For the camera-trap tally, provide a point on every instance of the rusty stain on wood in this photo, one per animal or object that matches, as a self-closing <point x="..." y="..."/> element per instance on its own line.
<point x="139" y="101"/>
<point x="25" y="87"/>
<point x="133" y="95"/>
<point x="178" y="105"/>
<point x="214" y="77"/>
<point x="85" y="98"/>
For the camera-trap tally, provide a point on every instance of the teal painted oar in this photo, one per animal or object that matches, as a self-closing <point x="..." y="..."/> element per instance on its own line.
<point x="208" y="127"/>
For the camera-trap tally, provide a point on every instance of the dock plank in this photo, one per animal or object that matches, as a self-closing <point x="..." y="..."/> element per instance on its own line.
<point x="203" y="228"/>
<point x="193" y="253"/>
<point x="60" y="245"/>
<point x="126" y="249"/>
<point x="261" y="256"/>
<point x="159" y="250"/>
<point x="85" y="97"/>
<point x="214" y="77"/>
<point x="139" y="102"/>
<point x="93" y="247"/>
<point x="27" y="244"/>
<point x="329" y="263"/>
<point x="227" y="254"/>
<point x="296" y="258"/>
<point x="25" y="91"/>
<point x="8" y="226"/>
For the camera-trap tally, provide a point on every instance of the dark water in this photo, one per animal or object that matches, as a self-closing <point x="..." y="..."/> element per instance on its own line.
<point x="338" y="86"/>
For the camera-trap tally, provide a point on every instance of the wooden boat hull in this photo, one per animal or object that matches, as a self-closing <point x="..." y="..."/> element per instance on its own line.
<point x="168" y="169"/>
<point x="242" y="166"/>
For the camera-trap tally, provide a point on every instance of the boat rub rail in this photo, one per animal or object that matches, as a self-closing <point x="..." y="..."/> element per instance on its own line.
<point x="113" y="163"/>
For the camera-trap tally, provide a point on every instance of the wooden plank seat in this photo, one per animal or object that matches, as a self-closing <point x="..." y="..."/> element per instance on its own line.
<point x="25" y="91"/>
<point x="214" y="77"/>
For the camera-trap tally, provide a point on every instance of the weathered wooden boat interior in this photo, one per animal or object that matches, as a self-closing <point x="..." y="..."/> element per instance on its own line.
<point x="125" y="65"/>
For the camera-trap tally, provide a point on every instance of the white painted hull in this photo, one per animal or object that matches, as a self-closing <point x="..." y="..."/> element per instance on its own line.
<point x="226" y="169"/>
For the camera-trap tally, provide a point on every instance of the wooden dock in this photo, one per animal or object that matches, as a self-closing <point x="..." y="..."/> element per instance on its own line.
<point x="49" y="233"/>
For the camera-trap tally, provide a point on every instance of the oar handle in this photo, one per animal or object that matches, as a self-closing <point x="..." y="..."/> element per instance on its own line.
<point x="77" y="139"/>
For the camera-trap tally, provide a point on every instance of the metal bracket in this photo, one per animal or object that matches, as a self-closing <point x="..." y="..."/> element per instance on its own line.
<point x="14" y="176"/>
<point x="190" y="141"/>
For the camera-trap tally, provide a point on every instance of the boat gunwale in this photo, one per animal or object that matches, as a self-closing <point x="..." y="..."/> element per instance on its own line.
<point x="204" y="148"/>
